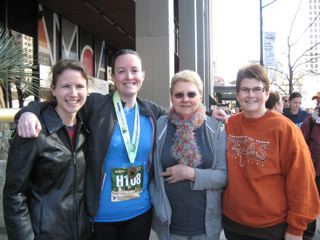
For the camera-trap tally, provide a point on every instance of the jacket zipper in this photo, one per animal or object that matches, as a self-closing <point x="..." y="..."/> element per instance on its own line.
<point x="75" y="217"/>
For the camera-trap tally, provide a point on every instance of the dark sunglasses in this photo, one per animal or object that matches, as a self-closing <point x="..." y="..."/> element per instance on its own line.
<point x="182" y="95"/>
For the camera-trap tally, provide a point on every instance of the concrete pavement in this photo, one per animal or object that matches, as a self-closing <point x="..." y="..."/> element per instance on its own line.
<point x="222" y="237"/>
<point x="153" y="236"/>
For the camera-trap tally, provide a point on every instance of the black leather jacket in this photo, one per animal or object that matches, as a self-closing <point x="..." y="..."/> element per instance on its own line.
<point x="44" y="189"/>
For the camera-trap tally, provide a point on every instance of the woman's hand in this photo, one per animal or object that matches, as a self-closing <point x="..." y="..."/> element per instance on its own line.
<point x="29" y="125"/>
<point x="179" y="173"/>
<point x="220" y="114"/>
<point x="289" y="236"/>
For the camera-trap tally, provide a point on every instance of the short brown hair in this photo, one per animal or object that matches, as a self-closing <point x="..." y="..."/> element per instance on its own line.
<point x="273" y="99"/>
<point x="295" y="95"/>
<point x="255" y="71"/>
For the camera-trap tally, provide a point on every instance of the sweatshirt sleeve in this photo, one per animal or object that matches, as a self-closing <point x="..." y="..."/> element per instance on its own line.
<point x="301" y="190"/>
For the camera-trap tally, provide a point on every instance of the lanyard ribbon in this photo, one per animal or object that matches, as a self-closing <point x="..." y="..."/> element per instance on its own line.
<point x="131" y="146"/>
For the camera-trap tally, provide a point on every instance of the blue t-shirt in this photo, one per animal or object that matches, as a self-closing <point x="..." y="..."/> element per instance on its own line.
<point x="296" y="118"/>
<point x="117" y="158"/>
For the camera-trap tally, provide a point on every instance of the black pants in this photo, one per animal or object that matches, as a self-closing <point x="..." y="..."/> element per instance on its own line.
<point x="311" y="228"/>
<point x="137" y="228"/>
<point x="235" y="236"/>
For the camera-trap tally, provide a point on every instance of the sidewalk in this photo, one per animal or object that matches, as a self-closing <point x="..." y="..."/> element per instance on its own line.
<point x="3" y="235"/>
<point x="222" y="237"/>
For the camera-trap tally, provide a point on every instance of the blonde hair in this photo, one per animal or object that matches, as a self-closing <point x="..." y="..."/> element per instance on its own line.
<point x="187" y="76"/>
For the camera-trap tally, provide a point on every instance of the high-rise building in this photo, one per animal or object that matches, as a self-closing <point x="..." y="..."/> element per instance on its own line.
<point x="26" y="42"/>
<point x="313" y="61"/>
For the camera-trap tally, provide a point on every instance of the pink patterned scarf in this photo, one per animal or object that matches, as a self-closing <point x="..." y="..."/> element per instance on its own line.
<point x="184" y="148"/>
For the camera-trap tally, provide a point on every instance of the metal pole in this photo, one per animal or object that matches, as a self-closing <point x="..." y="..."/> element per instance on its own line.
<point x="261" y="7"/>
<point x="261" y="33"/>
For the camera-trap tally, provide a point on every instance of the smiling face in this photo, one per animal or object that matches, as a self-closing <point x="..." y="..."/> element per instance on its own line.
<point x="252" y="102"/>
<point x="70" y="92"/>
<point x="185" y="98"/>
<point x="128" y="75"/>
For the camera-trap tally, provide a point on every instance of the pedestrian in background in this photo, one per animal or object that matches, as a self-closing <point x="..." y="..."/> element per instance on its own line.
<point x="285" y="100"/>
<point x="189" y="166"/>
<point x="43" y="196"/>
<point x="271" y="192"/>
<point x="317" y="98"/>
<point x="294" y="112"/>
<point x="311" y="132"/>
<point x="274" y="102"/>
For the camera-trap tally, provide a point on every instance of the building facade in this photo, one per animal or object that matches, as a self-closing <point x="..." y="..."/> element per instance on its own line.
<point x="313" y="63"/>
<point x="169" y="36"/>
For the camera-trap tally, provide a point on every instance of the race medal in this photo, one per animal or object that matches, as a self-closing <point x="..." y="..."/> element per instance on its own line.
<point x="130" y="144"/>
<point x="126" y="183"/>
<point x="132" y="172"/>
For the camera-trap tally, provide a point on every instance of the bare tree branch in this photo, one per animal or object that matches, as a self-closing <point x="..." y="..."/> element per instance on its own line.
<point x="279" y="87"/>
<point x="305" y="52"/>
<point x="292" y="23"/>
<point x="309" y="26"/>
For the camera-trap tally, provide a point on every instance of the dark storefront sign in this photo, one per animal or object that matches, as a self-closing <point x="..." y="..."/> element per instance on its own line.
<point x="58" y="38"/>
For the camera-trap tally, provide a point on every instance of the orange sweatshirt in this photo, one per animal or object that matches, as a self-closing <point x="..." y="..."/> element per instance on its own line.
<point x="271" y="178"/>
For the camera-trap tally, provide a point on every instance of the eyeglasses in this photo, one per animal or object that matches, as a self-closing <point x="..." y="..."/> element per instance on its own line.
<point x="182" y="95"/>
<point x="255" y="90"/>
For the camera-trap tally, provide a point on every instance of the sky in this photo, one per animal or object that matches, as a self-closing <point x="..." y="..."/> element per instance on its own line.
<point x="236" y="39"/>
<point x="237" y="31"/>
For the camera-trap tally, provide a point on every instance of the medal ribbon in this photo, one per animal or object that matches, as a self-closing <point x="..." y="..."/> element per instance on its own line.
<point x="131" y="146"/>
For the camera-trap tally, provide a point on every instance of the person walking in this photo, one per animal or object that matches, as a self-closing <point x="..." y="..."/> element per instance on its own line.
<point x="43" y="196"/>
<point x="274" y="102"/>
<point x="271" y="192"/>
<point x="311" y="132"/>
<point x="285" y="100"/>
<point x="190" y="170"/>
<point x="294" y="112"/>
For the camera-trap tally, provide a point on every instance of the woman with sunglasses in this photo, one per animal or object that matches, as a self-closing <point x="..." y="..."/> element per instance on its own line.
<point x="189" y="166"/>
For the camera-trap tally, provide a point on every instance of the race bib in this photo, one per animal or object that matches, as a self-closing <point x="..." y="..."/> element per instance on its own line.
<point x="126" y="183"/>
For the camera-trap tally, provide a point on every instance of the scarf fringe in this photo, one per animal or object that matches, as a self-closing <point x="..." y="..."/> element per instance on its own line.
<point x="184" y="148"/>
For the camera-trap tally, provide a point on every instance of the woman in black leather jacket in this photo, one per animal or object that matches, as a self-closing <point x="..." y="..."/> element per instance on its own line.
<point x="44" y="189"/>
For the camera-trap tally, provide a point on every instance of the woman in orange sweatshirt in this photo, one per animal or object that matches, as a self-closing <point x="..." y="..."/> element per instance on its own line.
<point x="271" y="192"/>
